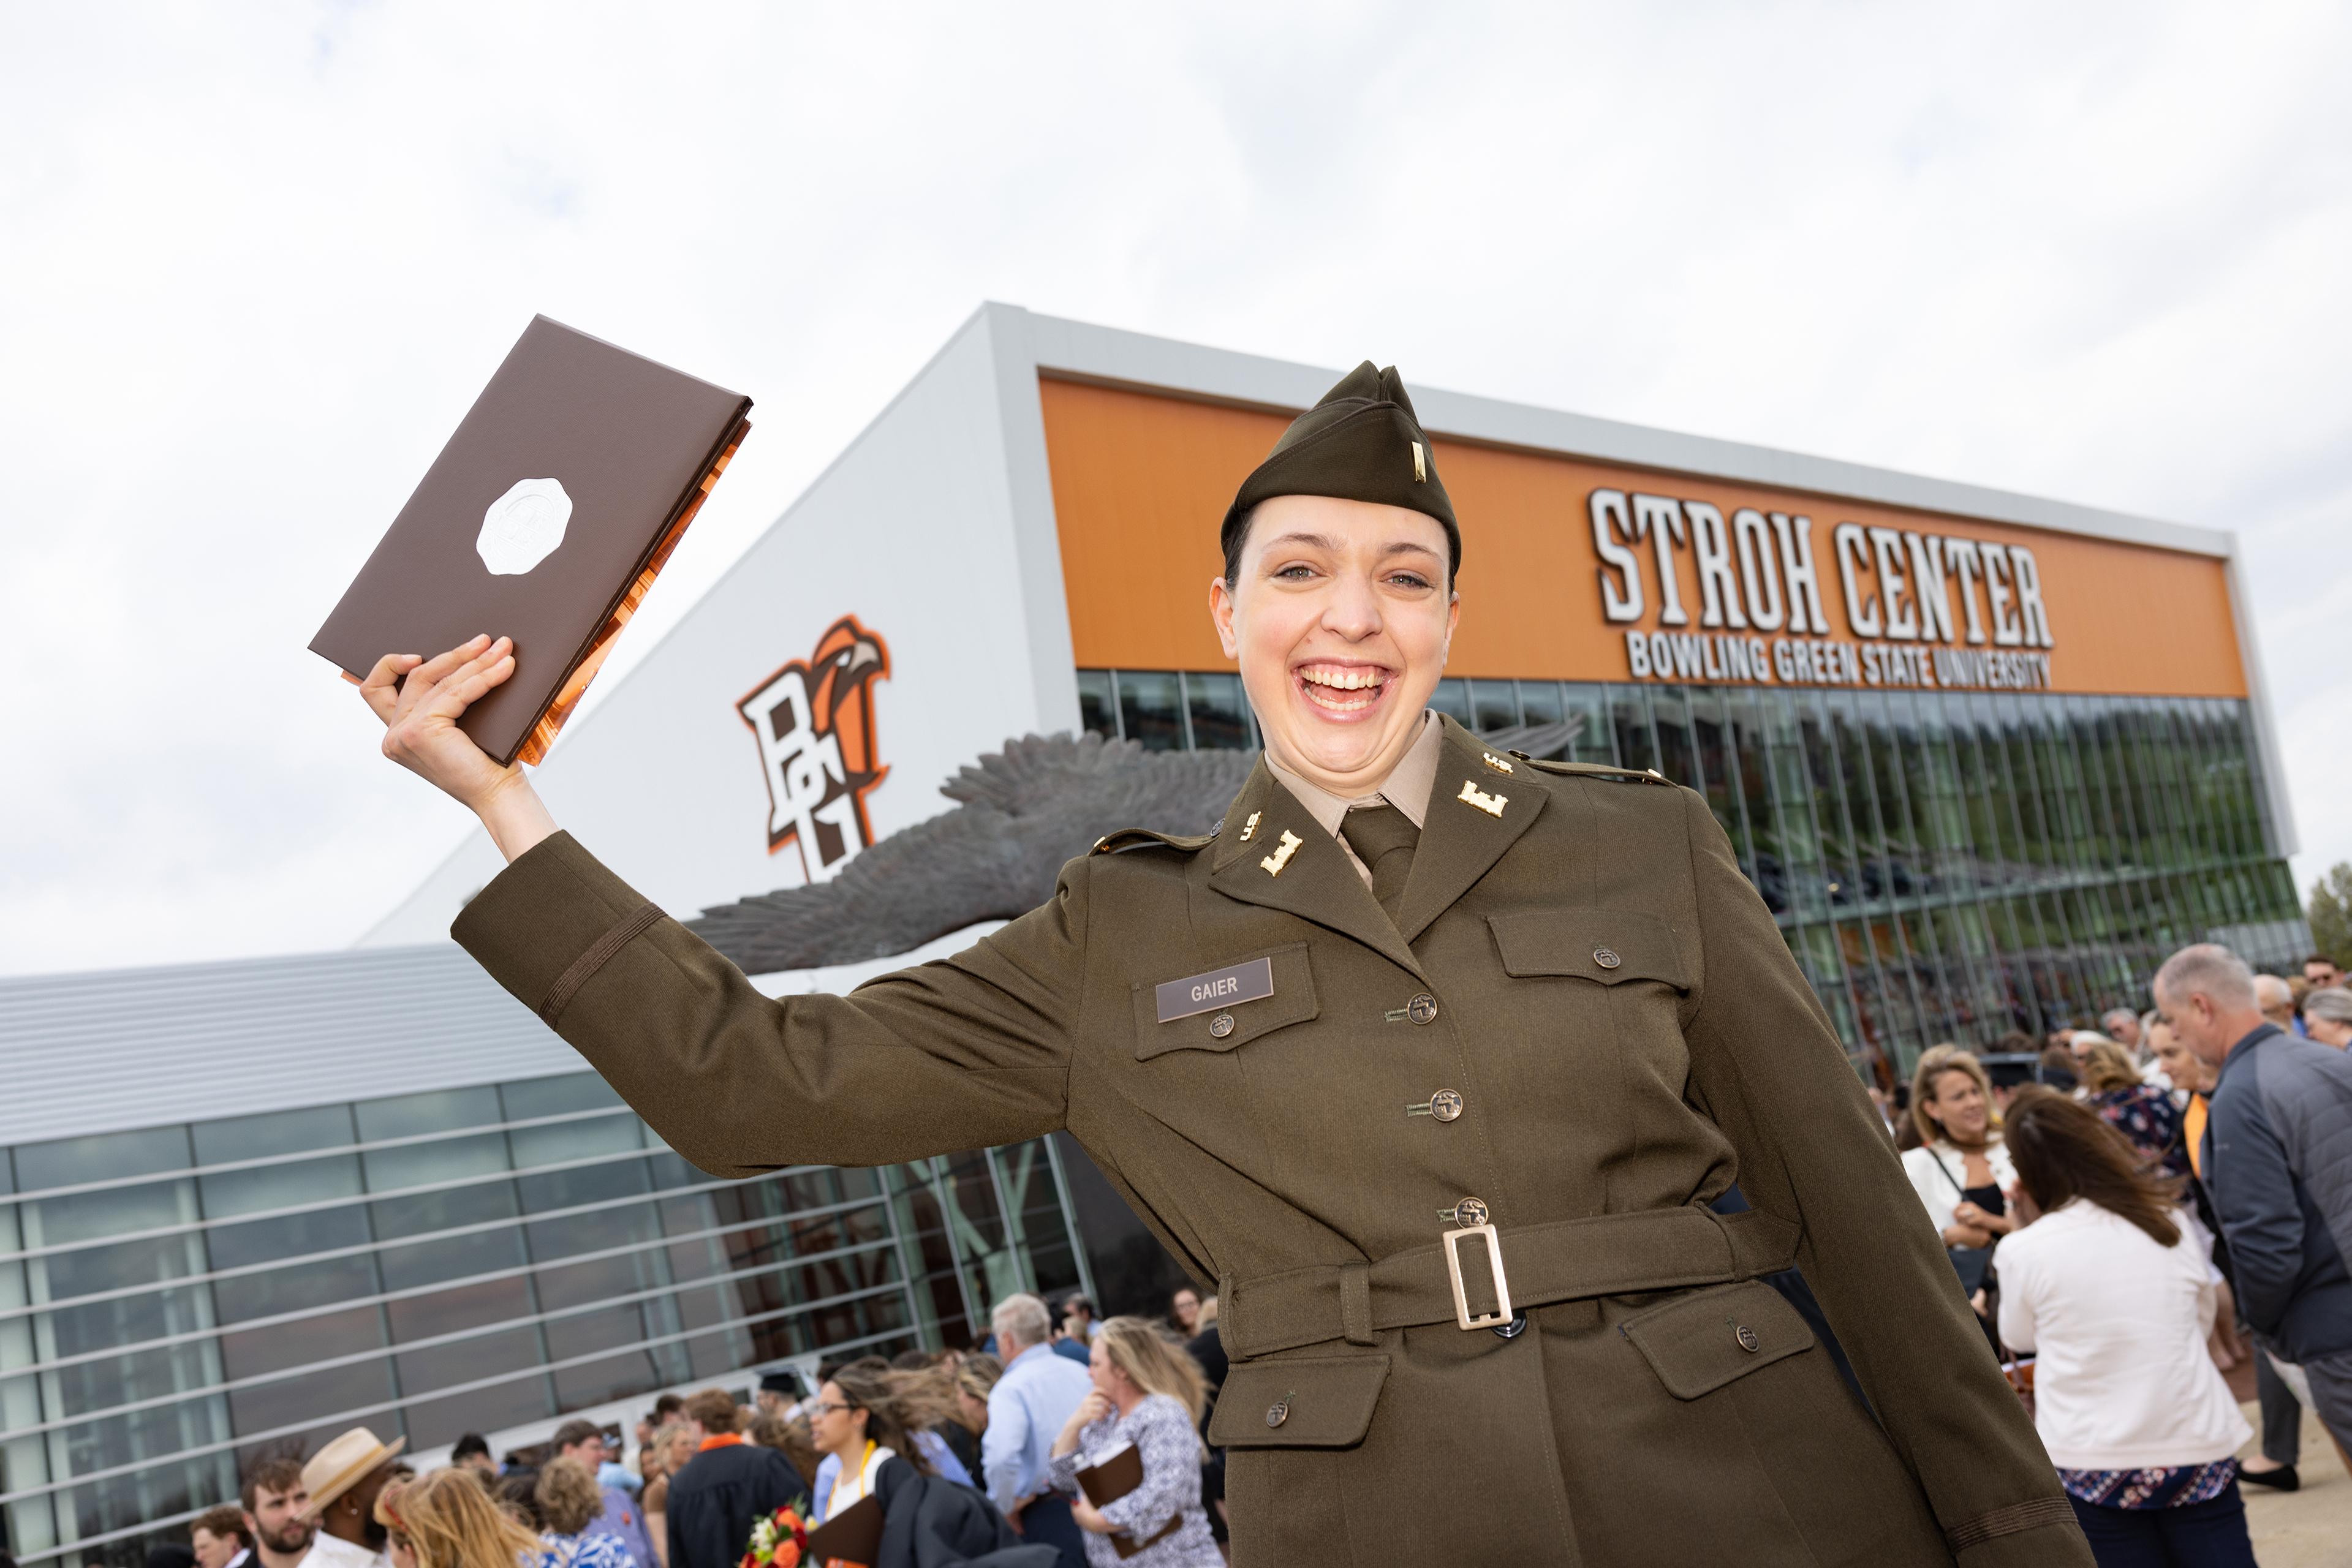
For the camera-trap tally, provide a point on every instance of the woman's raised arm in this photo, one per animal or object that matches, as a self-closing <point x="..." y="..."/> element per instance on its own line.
<point x="960" y="1054"/>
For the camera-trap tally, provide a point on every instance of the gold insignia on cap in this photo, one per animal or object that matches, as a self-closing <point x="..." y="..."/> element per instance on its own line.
<point x="1420" y="464"/>
<point x="1495" y="762"/>
<point x="1490" y="804"/>
<point x="1282" y="852"/>
<point x="1249" y="827"/>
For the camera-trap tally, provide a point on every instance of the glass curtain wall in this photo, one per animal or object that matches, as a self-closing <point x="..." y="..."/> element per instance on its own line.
<point x="177" y="1301"/>
<point x="1945" y="865"/>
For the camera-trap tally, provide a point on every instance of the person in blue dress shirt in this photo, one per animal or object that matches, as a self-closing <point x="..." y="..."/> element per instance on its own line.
<point x="1026" y="1411"/>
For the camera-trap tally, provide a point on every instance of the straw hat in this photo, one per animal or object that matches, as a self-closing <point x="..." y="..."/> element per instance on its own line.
<point x="343" y="1464"/>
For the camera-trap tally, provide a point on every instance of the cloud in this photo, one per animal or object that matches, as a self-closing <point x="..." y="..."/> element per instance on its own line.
<point x="255" y="262"/>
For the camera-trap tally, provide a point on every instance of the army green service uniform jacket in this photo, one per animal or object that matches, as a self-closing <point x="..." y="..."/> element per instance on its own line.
<point x="1583" y="1019"/>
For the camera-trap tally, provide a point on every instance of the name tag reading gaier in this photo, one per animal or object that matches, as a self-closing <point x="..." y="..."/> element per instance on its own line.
<point x="1250" y="982"/>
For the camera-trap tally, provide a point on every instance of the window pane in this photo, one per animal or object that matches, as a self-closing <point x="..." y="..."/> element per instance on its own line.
<point x="411" y="1115"/>
<point x="1494" y="707"/>
<point x="300" y="1343"/>
<point x="1678" y="755"/>
<point x="1712" y="741"/>
<point x="1825" y="776"/>
<point x="1539" y="702"/>
<point x="1451" y="698"/>
<point x="1629" y="723"/>
<point x="1151" y="709"/>
<point x="1221" y="718"/>
<point x="101" y="1158"/>
<point x="1586" y="707"/>
<point x="1098" y="713"/>
<point x="1745" y="727"/>
<point x="1788" y="782"/>
<point x="561" y="1094"/>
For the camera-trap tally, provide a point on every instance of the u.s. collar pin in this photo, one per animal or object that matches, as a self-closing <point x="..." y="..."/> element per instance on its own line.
<point x="1495" y="762"/>
<point x="1490" y="804"/>
<point x="1250" y="827"/>
<point x="1285" y="848"/>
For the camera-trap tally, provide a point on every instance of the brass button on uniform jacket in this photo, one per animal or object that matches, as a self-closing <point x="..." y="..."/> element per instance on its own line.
<point x="1582" y="1025"/>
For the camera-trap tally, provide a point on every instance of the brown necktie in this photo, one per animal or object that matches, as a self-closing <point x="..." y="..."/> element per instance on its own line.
<point x="1383" y="838"/>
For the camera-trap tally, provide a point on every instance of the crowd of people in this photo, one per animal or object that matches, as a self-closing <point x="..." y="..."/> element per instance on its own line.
<point x="989" y="1452"/>
<point x="2135" y="1210"/>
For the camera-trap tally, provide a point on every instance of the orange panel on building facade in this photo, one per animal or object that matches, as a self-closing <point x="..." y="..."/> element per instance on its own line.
<point x="1770" y="586"/>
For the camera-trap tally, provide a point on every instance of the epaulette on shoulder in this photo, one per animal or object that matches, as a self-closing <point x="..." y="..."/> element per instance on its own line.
<point x="1596" y="770"/>
<point x="1136" y="837"/>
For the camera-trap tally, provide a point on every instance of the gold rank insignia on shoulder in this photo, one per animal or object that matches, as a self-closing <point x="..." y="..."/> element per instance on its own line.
<point x="1490" y="804"/>
<point x="1420" y="466"/>
<point x="1250" y="827"/>
<point x="1495" y="762"/>
<point x="1283" y="850"/>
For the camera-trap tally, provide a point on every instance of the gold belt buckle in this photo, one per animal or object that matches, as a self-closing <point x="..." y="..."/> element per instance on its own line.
<point x="1502" y="1313"/>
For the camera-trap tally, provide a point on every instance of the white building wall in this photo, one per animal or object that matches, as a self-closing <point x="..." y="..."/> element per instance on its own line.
<point x="913" y="530"/>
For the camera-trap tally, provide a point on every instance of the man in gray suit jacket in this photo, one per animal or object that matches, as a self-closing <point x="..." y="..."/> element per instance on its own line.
<point x="2277" y="1160"/>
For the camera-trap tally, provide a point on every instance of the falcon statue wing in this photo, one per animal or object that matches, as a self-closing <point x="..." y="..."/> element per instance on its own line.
<point x="1020" y="814"/>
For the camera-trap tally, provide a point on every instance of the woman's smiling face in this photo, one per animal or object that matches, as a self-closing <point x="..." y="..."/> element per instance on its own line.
<point x="1340" y="622"/>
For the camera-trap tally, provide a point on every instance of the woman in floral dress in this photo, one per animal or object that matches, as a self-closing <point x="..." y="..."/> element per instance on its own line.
<point x="2144" y="1114"/>
<point x="1148" y="1394"/>
<point x="569" y="1501"/>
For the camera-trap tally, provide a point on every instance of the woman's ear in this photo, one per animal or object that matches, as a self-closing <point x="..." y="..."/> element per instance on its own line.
<point x="1220" y="614"/>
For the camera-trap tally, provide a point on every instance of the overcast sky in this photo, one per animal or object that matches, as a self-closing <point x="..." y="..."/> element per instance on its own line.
<point x="256" y="260"/>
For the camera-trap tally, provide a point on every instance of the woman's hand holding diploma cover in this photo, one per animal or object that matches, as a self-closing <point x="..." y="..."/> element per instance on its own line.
<point x="544" y="520"/>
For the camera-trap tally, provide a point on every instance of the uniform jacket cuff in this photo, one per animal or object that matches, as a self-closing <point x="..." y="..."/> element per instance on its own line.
<point x="541" y="916"/>
<point x="2029" y="1535"/>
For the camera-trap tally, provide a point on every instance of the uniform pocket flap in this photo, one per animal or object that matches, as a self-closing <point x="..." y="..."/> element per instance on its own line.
<point x="1321" y="1402"/>
<point x="1605" y="945"/>
<point x="1223" y="1028"/>
<point x="1700" y="1342"/>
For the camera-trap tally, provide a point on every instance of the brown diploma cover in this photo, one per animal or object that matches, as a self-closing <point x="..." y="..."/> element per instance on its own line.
<point x="545" y="519"/>
<point x="1115" y="1474"/>
<point x="853" y="1535"/>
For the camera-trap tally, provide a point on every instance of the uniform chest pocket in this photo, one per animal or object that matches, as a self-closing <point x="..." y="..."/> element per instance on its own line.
<point x="1608" y="945"/>
<point x="1226" y="1028"/>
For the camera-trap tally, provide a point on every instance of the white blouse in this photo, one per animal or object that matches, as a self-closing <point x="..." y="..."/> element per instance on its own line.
<point x="1939" y="1190"/>
<point x="2122" y="1379"/>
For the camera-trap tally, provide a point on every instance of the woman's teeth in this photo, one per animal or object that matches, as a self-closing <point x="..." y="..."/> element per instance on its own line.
<point x="1340" y="689"/>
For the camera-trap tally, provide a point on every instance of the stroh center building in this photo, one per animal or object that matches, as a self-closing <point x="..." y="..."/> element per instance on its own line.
<point x="1987" y="757"/>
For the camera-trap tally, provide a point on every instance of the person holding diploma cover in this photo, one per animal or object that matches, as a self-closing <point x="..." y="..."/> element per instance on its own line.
<point x="1432" y="1058"/>
<point x="1129" y="1457"/>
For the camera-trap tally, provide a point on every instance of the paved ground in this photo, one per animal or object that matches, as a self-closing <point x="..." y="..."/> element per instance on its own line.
<point x="2307" y="1529"/>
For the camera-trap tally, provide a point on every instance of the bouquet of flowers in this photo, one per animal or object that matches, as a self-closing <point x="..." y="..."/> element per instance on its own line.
<point x="778" y="1541"/>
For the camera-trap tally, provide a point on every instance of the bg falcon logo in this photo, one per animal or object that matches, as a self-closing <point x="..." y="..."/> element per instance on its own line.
<point x="815" y="723"/>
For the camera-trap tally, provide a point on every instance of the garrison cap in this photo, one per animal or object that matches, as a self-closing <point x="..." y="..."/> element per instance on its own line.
<point x="1362" y="443"/>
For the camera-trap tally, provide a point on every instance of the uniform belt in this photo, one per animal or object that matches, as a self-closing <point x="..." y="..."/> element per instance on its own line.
<point x="1561" y="1260"/>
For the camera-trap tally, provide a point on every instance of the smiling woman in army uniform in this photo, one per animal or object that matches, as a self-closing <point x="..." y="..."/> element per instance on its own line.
<point x="1431" y="1060"/>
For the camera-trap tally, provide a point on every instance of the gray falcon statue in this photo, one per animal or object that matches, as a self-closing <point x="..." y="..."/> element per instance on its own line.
<point x="1020" y="814"/>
